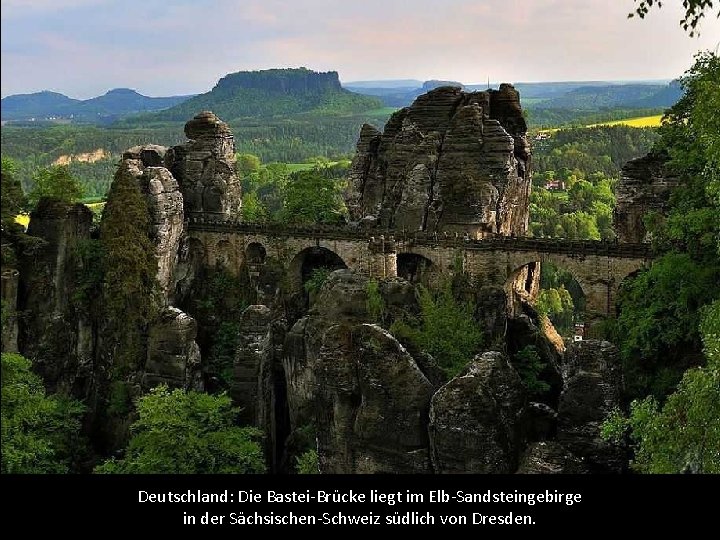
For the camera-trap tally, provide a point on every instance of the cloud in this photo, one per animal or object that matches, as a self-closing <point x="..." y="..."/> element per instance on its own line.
<point x="84" y="47"/>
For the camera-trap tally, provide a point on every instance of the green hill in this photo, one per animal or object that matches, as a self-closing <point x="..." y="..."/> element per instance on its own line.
<point x="115" y="104"/>
<point x="272" y="92"/>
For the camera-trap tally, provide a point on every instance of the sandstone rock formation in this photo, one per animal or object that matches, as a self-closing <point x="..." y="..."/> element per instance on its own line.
<point x="473" y="419"/>
<point x="453" y="161"/>
<point x="252" y="364"/>
<point x="365" y="394"/>
<point x="372" y="404"/>
<point x="165" y="202"/>
<point x="56" y="335"/>
<point x="645" y="186"/>
<point x="593" y="383"/>
<point x="173" y="357"/>
<point x="205" y="168"/>
<point x="549" y="458"/>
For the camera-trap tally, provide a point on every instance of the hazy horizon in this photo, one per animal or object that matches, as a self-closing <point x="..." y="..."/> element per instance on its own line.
<point x="83" y="48"/>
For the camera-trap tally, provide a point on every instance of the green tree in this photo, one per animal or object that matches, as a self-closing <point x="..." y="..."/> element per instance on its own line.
<point x="181" y="432"/>
<point x="40" y="433"/>
<point x="130" y="288"/>
<point x="659" y="309"/>
<point x="447" y="330"/>
<point x="311" y="197"/>
<point x="12" y="198"/>
<point x="658" y="322"/>
<point x="56" y="182"/>
<point x="247" y="164"/>
<point x="316" y="280"/>
<point x="529" y="365"/>
<point x="683" y="434"/>
<point x="253" y="210"/>
<point x="694" y="12"/>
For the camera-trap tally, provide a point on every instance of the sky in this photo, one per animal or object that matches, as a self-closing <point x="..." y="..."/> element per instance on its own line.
<point x="82" y="48"/>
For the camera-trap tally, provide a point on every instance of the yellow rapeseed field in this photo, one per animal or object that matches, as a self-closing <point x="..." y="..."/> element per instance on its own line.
<point x="644" y="121"/>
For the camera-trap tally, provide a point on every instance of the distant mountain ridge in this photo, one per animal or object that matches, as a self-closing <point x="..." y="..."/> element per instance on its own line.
<point x="576" y="95"/>
<point x="626" y="95"/>
<point x="116" y="103"/>
<point x="272" y="92"/>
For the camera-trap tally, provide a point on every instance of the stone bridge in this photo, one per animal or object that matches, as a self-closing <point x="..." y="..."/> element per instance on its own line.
<point x="598" y="267"/>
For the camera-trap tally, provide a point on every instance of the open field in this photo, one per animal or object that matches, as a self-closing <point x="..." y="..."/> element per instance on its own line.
<point x="641" y="122"/>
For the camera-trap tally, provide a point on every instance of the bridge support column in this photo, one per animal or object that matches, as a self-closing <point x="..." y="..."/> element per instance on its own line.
<point x="383" y="258"/>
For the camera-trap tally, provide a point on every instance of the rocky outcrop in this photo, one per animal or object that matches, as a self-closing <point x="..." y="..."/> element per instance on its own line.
<point x="366" y="395"/>
<point x="593" y="383"/>
<point x="165" y="203"/>
<point x="372" y="404"/>
<point x="55" y="334"/>
<point x="645" y="186"/>
<point x="549" y="458"/>
<point x="252" y="359"/>
<point x="173" y="357"/>
<point x="341" y="300"/>
<point x="474" y="419"/>
<point x="205" y="168"/>
<point x="453" y="161"/>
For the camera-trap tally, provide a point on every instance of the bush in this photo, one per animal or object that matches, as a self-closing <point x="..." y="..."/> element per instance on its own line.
<point x="375" y="303"/>
<point x="447" y="330"/>
<point x="181" y="432"/>
<point x="317" y="278"/>
<point x="55" y="182"/>
<point x="529" y="365"/>
<point x="307" y="463"/>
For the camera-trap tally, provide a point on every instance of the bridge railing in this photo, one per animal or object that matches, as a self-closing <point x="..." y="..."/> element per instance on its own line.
<point x="221" y="224"/>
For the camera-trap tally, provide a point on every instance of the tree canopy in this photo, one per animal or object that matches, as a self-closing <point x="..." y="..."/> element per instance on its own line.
<point x="40" y="433"/>
<point x="56" y="182"/>
<point x="180" y="432"/>
<point x="130" y="266"/>
<point x="683" y="434"/>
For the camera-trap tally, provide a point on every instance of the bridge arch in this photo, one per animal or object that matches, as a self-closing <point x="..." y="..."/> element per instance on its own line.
<point x="308" y="260"/>
<point x="552" y="288"/>
<point x="255" y="253"/>
<point x="416" y="268"/>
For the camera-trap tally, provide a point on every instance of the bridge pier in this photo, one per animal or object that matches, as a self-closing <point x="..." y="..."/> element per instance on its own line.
<point x="383" y="258"/>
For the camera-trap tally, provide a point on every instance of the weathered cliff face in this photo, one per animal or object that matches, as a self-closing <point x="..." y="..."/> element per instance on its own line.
<point x="453" y="161"/>
<point x="593" y="384"/>
<point x="173" y="356"/>
<point x="205" y="168"/>
<point x="371" y="405"/>
<point x="474" y="419"/>
<point x="645" y="186"/>
<point x="290" y="81"/>
<point x="165" y="203"/>
<point x="55" y="334"/>
<point x="550" y="458"/>
<point x="366" y="396"/>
